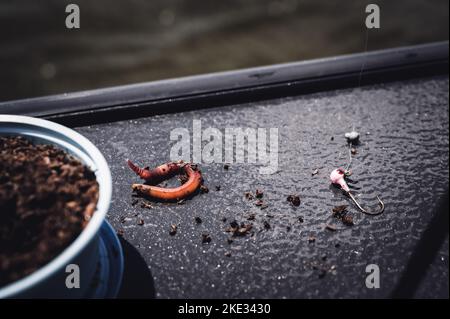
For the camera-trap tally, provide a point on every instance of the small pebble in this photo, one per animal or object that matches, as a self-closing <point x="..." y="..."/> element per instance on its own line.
<point x="352" y="136"/>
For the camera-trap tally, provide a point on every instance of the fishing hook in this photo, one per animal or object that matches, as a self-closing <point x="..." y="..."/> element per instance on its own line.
<point x="338" y="178"/>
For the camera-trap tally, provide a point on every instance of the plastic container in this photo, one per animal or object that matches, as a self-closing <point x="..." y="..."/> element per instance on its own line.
<point x="49" y="281"/>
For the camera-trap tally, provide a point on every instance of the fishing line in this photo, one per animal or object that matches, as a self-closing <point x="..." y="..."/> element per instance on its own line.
<point x="350" y="144"/>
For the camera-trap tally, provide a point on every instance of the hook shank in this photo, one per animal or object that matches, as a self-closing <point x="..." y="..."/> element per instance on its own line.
<point x="365" y="211"/>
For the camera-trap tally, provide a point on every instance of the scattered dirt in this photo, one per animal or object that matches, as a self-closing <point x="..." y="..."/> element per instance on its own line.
<point x="217" y="188"/>
<point x="47" y="197"/>
<point x="249" y="195"/>
<point x="294" y="200"/>
<point x="348" y="220"/>
<point x="234" y="224"/>
<point x="259" y="193"/>
<point x="146" y="205"/>
<point x="323" y="269"/>
<point x="239" y="230"/>
<point x="198" y="220"/>
<point x="173" y="229"/>
<point x="341" y="213"/>
<point x="339" y="209"/>
<point x="134" y="202"/>
<point x="206" y="238"/>
<point x="204" y="189"/>
<point x="260" y="203"/>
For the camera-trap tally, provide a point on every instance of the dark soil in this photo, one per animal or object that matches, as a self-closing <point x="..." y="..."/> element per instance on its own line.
<point x="206" y="238"/>
<point x="294" y="200"/>
<point x="46" y="199"/>
<point x="173" y="230"/>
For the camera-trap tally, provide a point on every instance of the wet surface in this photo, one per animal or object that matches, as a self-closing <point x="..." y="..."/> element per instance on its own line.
<point x="403" y="156"/>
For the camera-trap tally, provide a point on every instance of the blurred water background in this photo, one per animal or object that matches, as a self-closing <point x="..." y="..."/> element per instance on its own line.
<point x="128" y="41"/>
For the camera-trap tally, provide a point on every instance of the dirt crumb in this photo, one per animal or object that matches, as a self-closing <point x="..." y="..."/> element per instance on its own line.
<point x="206" y="238"/>
<point x="294" y="200"/>
<point x="173" y="229"/>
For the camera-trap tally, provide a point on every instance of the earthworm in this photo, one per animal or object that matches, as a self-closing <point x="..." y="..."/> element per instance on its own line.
<point x="157" y="174"/>
<point x="163" y="172"/>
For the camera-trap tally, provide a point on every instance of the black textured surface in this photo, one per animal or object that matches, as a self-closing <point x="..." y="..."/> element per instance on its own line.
<point x="403" y="156"/>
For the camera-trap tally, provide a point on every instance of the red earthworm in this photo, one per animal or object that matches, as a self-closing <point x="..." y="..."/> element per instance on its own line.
<point x="157" y="174"/>
<point x="163" y="172"/>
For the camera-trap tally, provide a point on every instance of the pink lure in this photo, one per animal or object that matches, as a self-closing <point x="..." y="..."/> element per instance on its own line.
<point x="337" y="178"/>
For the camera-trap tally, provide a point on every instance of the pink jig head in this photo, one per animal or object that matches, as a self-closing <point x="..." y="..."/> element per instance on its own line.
<point x="338" y="178"/>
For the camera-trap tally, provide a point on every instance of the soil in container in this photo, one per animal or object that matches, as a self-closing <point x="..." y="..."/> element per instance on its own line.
<point x="46" y="199"/>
